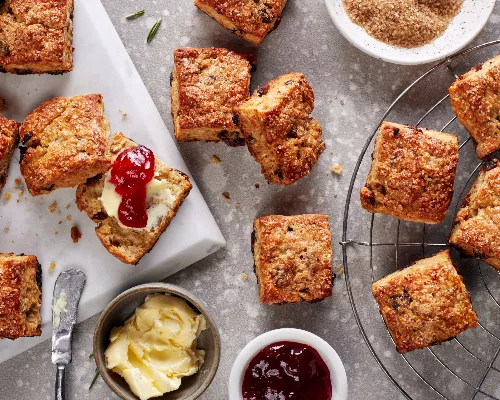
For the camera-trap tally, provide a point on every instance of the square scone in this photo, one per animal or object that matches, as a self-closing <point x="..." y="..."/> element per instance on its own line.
<point x="36" y="36"/>
<point x="9" y="136"/>
<point x="64" y="141"/>
<point x="164" y="195"/>
<point x="279" y="131"/>
<point x="475" y="99"/>
<point x="20" y="296"/>
<point x="425" y="304"/>
<point x="476" y="229"/>
<point x="412" y="173"/>
<point x="293" y="258"/>
<point x="206" y="85"/>
<point x="251" y="20"/>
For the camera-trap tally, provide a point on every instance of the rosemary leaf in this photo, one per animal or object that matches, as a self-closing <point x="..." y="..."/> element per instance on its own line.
<point x="95" y="378"/>
<point x="91" y="356"/>
<point x="135" y="15"/>
<point x="153" y="31"/>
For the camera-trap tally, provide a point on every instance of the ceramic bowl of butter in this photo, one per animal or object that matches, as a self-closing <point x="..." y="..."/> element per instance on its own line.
<point x="157" y="341"/>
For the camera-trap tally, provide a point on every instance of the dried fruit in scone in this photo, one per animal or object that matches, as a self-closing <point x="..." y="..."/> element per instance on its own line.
<point x="412" y="173"/>
<point x="206" y="85"/>
<point x="63" y="142"/>
<point x="279" y="131"/>
<point x="475" y="99"/>
<point x="36" y="36"/>
<point x="425" y="304"/>
<point x="251" y="20"/>
<point x="169" y="187"/>
<point x="9" y="135"/>
<point x="476" y="230"/>
<point x="293" y="258"/>
<point x="20" y="296"/>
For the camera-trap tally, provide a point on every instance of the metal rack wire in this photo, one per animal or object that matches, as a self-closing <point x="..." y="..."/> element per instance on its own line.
<point x="480" y="382"/>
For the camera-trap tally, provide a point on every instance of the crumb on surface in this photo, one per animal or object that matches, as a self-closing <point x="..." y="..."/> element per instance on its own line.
<point x="75" y="234"/>
<point x="215" y="160"/>
<point x="257" y="186"/>
<point x="238" y="205"/>
<point x="69" y="217"/>
<point x="336" y="168"/>
<point x="18" y="182"/>
<point x="244" y="277"/>
<point x="68" y="206"/>
<point x="7" y="196"/>
<point x="6" y="229"/>
<point x="53" y="206"/>
<point x="124" y="115"/>
<point x="342" y="102"/>
<point x="60" y="222"/>
<point x="56" y="233"/>
<point x="226" y="196"/>
<point x="340" y="270"/>
<point x="52" y="267"/>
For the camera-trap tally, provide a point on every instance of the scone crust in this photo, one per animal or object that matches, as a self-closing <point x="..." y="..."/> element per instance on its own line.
<point x="280" y="133"/>
<point x="425" y="304"/>
<point x="293" y="258"/>
<point x="206" y="85"/>
<point x="412" y="173"/>
<point x="251" y="20"/>
<point x="129" y="245"/>
<point x="475" y="99"/>
<point x="476" y="230"/>
<point x="36" y="36"/>
<point x="9" y="136"/>
<point x="63" y="142"/>
<point x="20" y="296"/>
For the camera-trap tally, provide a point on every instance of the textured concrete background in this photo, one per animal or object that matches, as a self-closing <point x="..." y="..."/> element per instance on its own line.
<point x="352" y="90"/>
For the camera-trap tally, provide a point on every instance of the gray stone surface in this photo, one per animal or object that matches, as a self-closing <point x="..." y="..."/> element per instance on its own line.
<point x="352" y="90"/>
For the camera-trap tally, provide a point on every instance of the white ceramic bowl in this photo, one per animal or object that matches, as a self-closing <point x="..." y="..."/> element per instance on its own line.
<point x="461" y="31"/>
<point x="329" y="356"/>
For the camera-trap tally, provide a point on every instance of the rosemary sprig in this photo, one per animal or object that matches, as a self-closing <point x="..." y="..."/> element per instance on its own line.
<point x="135" y="15"/>
<point x="95" y="378"/>
<point x="91" y="356"/>
<point x="153" y="31"/>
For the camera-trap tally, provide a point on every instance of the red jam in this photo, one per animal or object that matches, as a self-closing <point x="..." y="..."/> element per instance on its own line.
<point x="287" y="370"/>
<point x="132" y="170"/>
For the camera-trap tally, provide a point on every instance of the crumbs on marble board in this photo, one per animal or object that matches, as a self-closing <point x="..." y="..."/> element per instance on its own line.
<point x="6" y="229"/>
<point x="52" y="267"/>
<point x="75" y="234"/>
<point x="215" y="160"/>
<point x="226" y="196"/>
<point x="69" y="217"/>
<point x="244" y="277"/>
<point x="340" y="270"/>
<point x="336" y="168"/>
<point x="53" y="206"/>
<point x="6" y="197"/>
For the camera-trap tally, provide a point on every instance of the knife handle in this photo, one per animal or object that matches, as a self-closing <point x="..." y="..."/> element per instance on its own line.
<point x="60" y="392"/>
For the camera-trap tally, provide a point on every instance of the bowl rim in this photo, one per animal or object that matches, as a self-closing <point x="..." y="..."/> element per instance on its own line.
<point x="329" y="355"/>
<point x="161" y="287"/>
<point x="356" y="41"/>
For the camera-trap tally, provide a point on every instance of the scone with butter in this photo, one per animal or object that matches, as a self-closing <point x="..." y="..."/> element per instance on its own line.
<point x="134" y="201"/>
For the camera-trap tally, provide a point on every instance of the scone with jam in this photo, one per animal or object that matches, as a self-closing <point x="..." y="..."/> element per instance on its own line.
<point x="206" y="85"/>
<point x="251" y="20"/>
<point x="476" y="230"/>
<point x="279" y="131"/>
<point x="293" y="258"/>
<point x="425" y="304"/>
<point x="63" y="142"/>
<point x="475" y="99"/>
<point x="412" y="173"/>
<point x="36" y="36"/>
<point x="9" y="135"/>
<point x="20" y="296"/>
<point x="134" y="201"/>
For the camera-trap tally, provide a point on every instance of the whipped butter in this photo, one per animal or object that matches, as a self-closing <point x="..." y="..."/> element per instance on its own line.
<point x="156" y="346"/>
<point x="58" y="308"/>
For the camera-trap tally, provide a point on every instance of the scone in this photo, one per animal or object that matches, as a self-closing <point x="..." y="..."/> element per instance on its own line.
<point x="476" y="230"/>
<point x="412" y="173"/>
<point x="20" y="296"/>
<point x="425" y="304"/>
<point x="63" y="142"/>
<point x="279" y="131"/>
<point x="206" y="85"/>
<point x="128" y="244"/>
<point x="251" y="20"/>
<point x="475" y="99"/>
<point x="36" y="36"/>
<point x="9" y="135"/>
<point x="293" y="258"/>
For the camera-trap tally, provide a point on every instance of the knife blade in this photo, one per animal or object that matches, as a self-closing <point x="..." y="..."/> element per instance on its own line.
<point x="67" y="292"/>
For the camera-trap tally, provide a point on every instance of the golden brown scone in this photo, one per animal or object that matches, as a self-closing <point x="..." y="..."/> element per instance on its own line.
<point x="63" y="142"/>
<point x="251" y="20"/>
<point x="9" y="135"/>
<point x="476" y="230"/>
<point x="293" y="258"/>
<point x="475" y="99"/>
<point x="425" y="304"/>
<point x="412" y="173"/>
<point x="127" y="244"/>
<point x="20" y="296"/>
<point x="36" y="36"/>
<point x="279" y="132"/>
<point x="206" y="85"/>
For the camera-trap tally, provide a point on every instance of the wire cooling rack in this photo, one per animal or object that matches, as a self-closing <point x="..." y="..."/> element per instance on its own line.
<point x="468" y="366"/>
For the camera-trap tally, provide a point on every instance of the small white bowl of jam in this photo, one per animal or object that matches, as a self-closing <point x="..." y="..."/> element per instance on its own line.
<point x="285" y="361"/>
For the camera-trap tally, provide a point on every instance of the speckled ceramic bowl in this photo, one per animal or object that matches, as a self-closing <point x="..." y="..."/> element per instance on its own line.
<point x="122" y="307"/>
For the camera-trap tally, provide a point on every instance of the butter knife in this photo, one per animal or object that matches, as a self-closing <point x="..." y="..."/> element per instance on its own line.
<point x="67" y="291"/>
